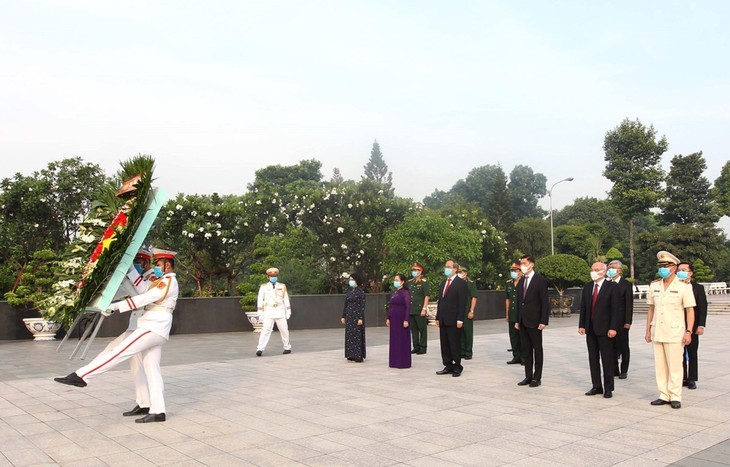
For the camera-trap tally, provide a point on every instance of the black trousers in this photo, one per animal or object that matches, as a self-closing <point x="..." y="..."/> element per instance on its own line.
<point x="690" y="367"/>
<point x="531" y="340"/>
<point x="621" y="350"/>
<point x="514" y="341"/>
<point x="451" y="347"/>
<point x="600" y="350"/>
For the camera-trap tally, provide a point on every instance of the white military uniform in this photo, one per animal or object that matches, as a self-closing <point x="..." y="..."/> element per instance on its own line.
<point x="273" y="305"/>
<point x="138" y="284"/>
<point x="153" y="330"/>
<point x="667" y="331"/>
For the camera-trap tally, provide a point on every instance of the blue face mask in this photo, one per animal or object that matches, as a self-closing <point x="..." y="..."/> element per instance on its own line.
<point x="414" y="273"/>
<point x="396" y="284"/>
<point x="683" y="275"/>
<point x="448" y="272"/>
<point x="138" y="268"/>
<point x="611" y="273"/>
<point x="514" y="275"/>
<point x="664" y="273"/>
<point x="157" y="271"/>
<point x="273" y="279"/>
<point x="352" y="283"/>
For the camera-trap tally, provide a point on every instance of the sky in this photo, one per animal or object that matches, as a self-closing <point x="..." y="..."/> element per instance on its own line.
<point x="215" y="90"/>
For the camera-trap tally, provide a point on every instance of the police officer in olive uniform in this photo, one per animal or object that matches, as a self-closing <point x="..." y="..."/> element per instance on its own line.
<point x="669" y="325"/>
<point x="510" y="304"/>
<point x="418" y="286"/>
<point x="467" y="334"/>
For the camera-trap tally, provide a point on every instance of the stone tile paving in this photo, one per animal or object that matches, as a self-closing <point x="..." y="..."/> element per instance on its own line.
<point x="228" y="407"/>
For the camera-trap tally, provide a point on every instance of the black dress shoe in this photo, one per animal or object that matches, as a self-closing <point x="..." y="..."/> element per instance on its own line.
<point x="691" y="385"/>
<point x="467" y="357"/>
<point x="287" y="351"/>
<point x="676" y="404"/>
<point x="594" y="391"/>
<point x="414" y="351"/>
<point x="659" y="402"/>
<point x="524" y="382"/>
<point x="152" y="417"/>
<point x="514" y="361"/>
<point x="456" y="374"/>
<point x="420" y="352"/>
<point x="622" y="376"/>
<point x="137" y="410"/>
<point x="608" y="394"/>
<point x="444" y="372"/>
<point x="73" y="380"/>
<point x="684" y="383"/>
<point x="535" y="383"/>
<point x="259" y="353"/>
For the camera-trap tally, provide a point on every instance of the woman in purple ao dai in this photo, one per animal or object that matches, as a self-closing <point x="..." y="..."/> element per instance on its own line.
<point x="399" y="310"/>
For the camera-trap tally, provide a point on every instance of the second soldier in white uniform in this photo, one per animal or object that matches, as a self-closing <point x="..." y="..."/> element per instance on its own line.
<point x="273" y="306"/>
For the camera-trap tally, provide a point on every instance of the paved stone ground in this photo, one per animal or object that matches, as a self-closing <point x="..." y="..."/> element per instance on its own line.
<point x="228" y="407"/>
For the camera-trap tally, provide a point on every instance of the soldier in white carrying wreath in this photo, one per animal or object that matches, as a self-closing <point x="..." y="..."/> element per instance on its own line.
<point x="153" y="330"/>
<point x="273" y="306"/>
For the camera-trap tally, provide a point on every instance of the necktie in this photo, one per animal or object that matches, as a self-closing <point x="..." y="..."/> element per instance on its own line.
<point x="524" y="287"/>
<point x="593" y="301"/>
<point x="448" y="283"/>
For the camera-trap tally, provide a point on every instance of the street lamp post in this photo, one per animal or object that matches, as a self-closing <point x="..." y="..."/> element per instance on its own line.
<point x="550" y="194"/>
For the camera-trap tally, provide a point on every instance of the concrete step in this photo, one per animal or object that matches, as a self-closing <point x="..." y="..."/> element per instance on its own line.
<point x="712" y="308"/>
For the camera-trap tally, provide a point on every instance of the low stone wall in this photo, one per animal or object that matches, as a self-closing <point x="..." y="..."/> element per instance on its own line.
<point x="224" y="314"/>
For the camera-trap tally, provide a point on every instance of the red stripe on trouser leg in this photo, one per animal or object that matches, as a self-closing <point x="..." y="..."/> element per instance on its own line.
<point x="110" y="359"/>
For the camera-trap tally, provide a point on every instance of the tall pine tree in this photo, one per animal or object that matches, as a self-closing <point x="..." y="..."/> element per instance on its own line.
<point x="686" y="200"/>
<point x="376" y="169"/>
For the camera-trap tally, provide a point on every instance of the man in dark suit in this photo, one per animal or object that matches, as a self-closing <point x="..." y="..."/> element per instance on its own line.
<point x="599" y="320"/>
<point x="533" y="313"/>
<point x="452" y="302"/>
<point x="685" y="271"/>
<point x="626" y="316"/>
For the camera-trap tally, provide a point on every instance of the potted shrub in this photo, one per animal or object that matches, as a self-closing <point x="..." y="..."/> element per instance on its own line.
<point x="249" y="290"/>
<point x="36" y="284"/>
<point x="563" y="271"/>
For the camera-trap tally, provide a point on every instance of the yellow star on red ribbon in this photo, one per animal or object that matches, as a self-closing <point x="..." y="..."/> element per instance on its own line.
<point x="108" y="241"/>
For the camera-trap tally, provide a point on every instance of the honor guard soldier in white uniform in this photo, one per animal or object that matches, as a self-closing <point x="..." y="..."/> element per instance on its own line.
<point x="669" y="324"/>
<point x="273" y="305"/>
<point x="153" y="330"/>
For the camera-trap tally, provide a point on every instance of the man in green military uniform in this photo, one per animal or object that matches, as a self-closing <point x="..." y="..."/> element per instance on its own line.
<point x="467" y="332"/>
<point x="510" y="305"/>
<point x="419" y="289"/>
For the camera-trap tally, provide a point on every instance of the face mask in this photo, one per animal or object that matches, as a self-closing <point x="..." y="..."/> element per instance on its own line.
<point x="138" y="268"/>
<point x="448" y="272"/>
<point x="273" y="279"/>
<point x="396" y="284"/>
<point x="352" y="284"/>
<point x="414" y="273"/>
<point x="595" y="276"/>
<point x="524" y="269"/>
<point x="611" y="273"/>
<point x="683" y="275"/>
<point x="514" y="275"/>
<point x="664" y="273"/>
<point x="157" y="271"/>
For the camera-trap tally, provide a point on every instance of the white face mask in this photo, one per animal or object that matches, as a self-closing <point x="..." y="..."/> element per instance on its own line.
<point x="595" y="276"/>
<point x="524" y="269"/>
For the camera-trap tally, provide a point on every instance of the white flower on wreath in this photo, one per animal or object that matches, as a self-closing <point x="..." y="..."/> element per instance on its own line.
<point x="340" y="230"/>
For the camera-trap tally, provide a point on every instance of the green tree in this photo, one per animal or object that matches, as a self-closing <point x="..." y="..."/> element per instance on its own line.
<point x="575" y="240"/>
<point x="487" y="186"/>
<point x="376" y="169"/>
<point x="721" y="190"/>
<point x="530" y="236"/>
<point x="37" y="281"/>
<point x="525" y="189"/>
<point x="686" y="200"/>
<point x="702" y="273"/>
<point x="633" y="157"/>
<point x="430" y="239"/>
<point x="563" y="271"/>
<point x="614" y="253"/>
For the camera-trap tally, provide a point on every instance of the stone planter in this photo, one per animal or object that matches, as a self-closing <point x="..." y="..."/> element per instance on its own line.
<point x="560" y="306"/>
<point x="253" y="318"/>
<point x="42" y="329"/>
<point x="431" y="313"/>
